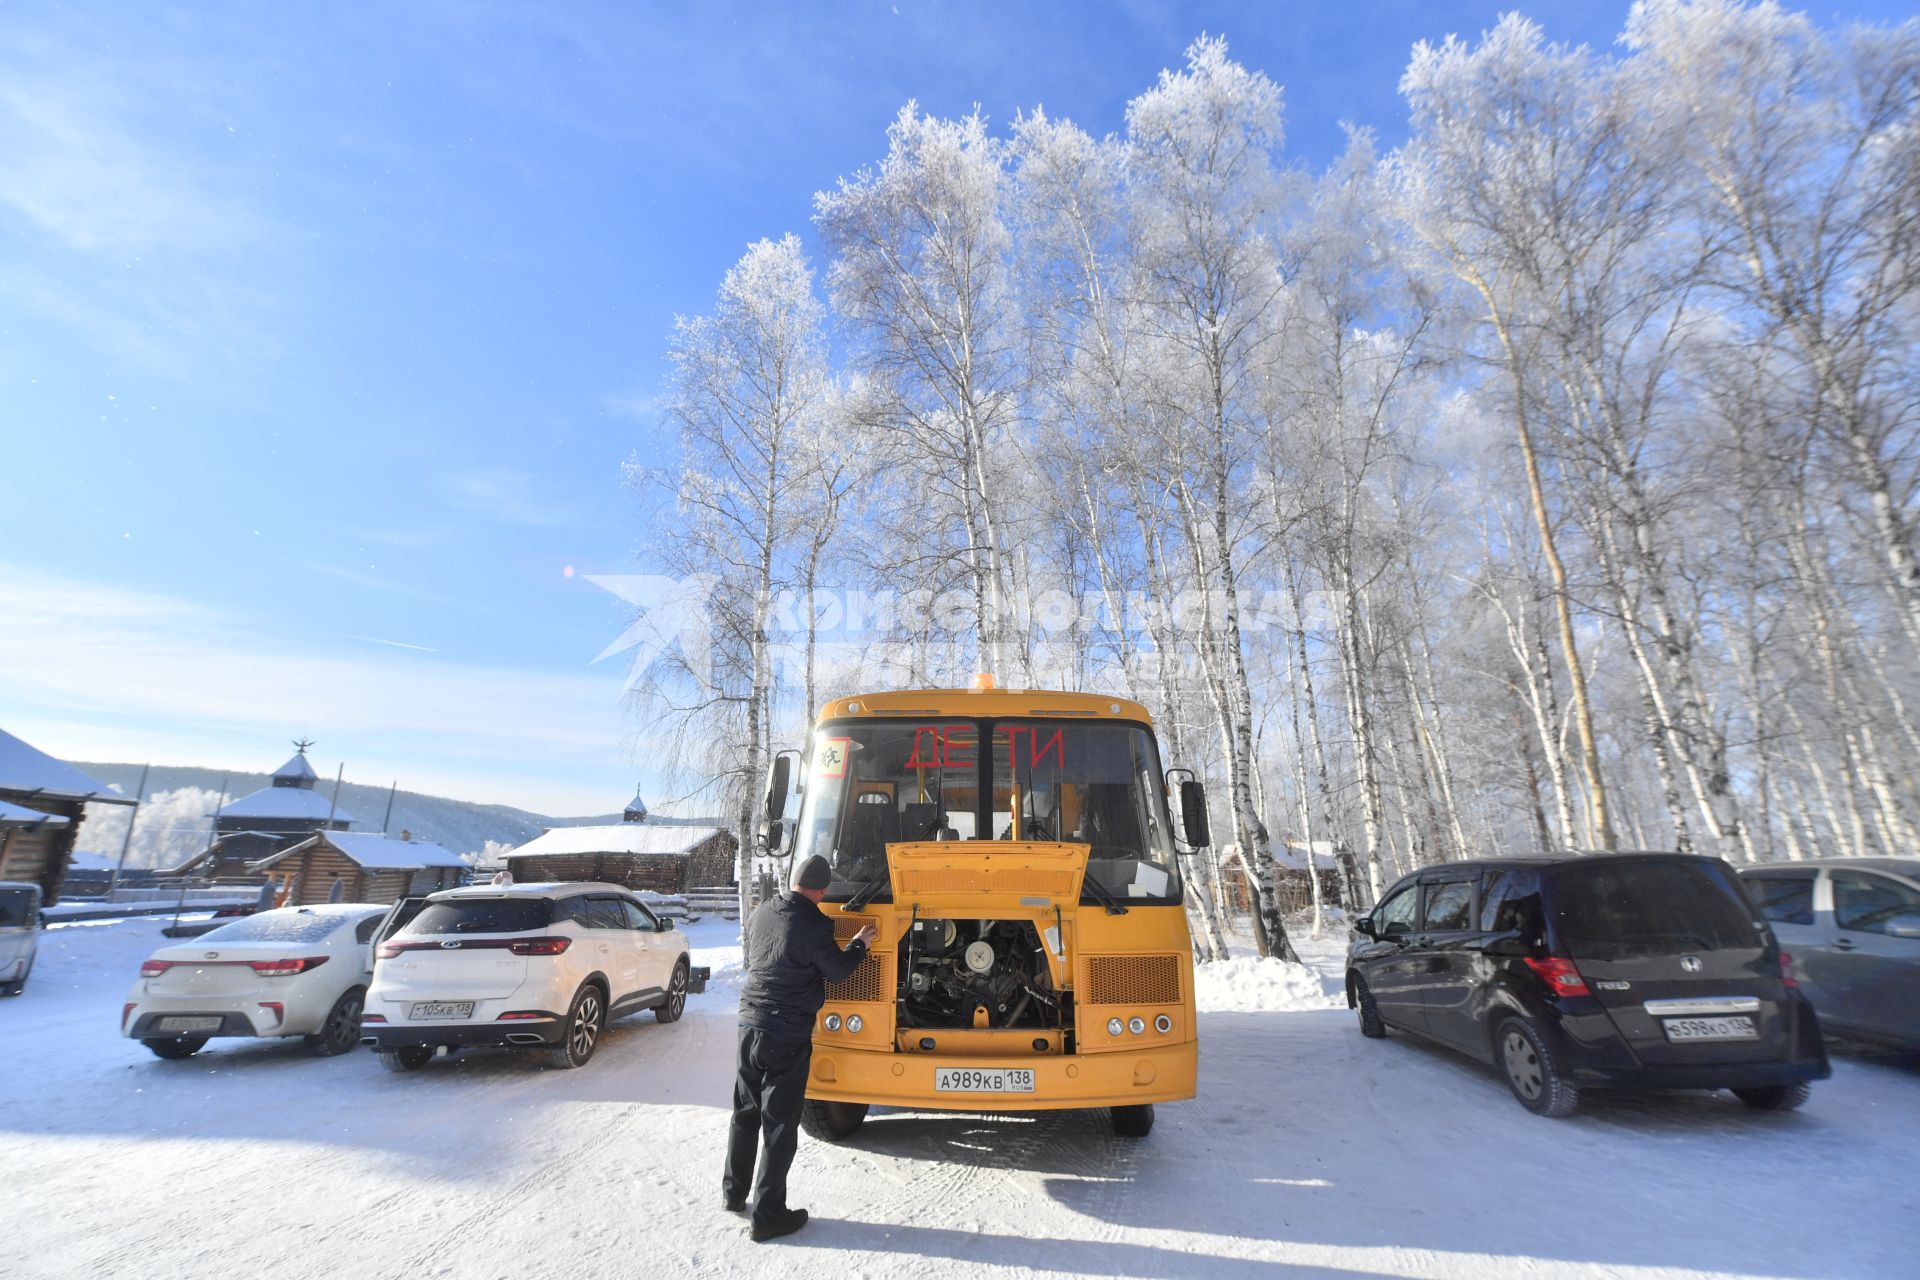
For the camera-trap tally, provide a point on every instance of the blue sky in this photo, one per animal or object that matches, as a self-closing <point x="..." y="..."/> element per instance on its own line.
<point x="324" y="331"/>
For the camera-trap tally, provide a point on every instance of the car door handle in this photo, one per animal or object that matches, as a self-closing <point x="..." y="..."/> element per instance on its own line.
<point x="1843" y="944"/>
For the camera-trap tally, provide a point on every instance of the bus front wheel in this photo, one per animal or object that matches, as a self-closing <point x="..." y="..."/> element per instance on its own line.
<point x="831" y="1121"/>
<point x="1133" y="1122"/>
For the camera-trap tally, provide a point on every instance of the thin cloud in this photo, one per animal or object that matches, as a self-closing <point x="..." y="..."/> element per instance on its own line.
<point x="374" y="582"/>
<point x="396" y="644"/>
<point x="75" y="651"/>
<point x="500" y="492"/>
<point x="131" y="232"/>
<point x="640" y="408"/>
<point x="405" y="539"/>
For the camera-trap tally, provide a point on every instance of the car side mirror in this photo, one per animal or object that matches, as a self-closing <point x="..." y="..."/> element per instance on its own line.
<point x="1364" y="926"/>
<point x="1510" y="948"/>
<point x="1906" y="926"/>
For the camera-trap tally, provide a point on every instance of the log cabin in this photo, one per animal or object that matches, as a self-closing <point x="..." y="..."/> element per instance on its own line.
<point x="43" y="801"/>
<point x="657" y="856"/>
<point x="261" y="823"/>
<point x="368" y="867"/>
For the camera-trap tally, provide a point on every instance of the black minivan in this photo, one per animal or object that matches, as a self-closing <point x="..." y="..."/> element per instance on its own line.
<point x="1636" y="970"/>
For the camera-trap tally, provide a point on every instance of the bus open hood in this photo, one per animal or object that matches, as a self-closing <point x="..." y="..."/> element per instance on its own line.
<point x="981" y="878"/>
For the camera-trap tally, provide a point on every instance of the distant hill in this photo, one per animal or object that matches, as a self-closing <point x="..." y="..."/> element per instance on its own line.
<point x="464" y="826"/>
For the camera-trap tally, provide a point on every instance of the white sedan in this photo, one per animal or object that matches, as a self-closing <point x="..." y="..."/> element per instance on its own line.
<point x="293" y="971"/>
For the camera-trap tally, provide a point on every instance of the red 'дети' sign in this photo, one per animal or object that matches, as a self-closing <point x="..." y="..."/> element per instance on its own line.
<point x="953" y="746"/>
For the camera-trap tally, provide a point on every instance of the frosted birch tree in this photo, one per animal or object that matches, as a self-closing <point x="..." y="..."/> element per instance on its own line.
<point x="750" y="386"/>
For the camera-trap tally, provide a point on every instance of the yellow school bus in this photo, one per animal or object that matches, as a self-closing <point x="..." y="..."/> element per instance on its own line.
<point x="1015" y="851"/>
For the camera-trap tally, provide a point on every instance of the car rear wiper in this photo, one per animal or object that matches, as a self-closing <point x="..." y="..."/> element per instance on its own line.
<point x="1103" y="895"/>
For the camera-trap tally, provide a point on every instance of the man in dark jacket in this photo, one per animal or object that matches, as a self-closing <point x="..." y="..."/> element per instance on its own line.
<point x="791" y="957"/>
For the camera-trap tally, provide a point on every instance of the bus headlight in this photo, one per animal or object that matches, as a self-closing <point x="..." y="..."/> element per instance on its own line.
<point x="1114" y="1026"/>
<point x="1163" y="1024"/>
<point x="1137" y="1025"/>
<point x="833" y="1022"/>
<point x="854" y="1023"/>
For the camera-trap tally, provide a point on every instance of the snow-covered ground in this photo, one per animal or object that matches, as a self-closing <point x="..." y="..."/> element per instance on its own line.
<point x="1309" y="1152"/>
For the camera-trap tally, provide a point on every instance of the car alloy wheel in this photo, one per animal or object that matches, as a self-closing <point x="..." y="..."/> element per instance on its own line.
<point x="585" y="1028"/>
<point x="582" y="1029"/>
<point x="670" y="1009"/>
<point x="341" y="1031"/>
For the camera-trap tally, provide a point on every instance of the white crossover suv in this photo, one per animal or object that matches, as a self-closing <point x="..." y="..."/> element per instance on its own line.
<point x="293" y="971"/>
<point x="522" y="966"/>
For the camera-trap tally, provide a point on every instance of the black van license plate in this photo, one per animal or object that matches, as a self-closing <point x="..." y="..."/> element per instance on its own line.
<point x="1732" y="1028"/>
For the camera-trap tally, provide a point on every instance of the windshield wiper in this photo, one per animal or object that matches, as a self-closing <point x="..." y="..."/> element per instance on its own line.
<point x="1102" y="895"/>
<point x="866" y="893"/>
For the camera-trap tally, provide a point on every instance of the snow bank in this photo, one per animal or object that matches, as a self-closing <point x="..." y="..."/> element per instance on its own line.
<point x="1253" y="983"/>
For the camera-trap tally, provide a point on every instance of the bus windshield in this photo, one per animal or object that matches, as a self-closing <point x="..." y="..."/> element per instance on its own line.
<point x="871" y="784"/>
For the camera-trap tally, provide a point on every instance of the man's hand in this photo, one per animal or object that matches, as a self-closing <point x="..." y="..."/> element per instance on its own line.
<point x="866" y="936"/>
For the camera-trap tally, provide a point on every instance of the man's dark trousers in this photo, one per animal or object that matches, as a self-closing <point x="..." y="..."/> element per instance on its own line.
<point x="767" y="1094"/>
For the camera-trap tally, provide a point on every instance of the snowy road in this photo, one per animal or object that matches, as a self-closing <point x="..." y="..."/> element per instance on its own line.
<point x="1310" y="1152"/>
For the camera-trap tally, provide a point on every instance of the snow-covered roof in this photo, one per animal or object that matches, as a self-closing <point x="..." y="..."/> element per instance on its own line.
<point x="374" y="852"/>
<point x="17" y="814"/>
<point x="1290" y="857"/>
<point x="284" y="802"/>
<point x="25" y="768"/>
<point x="1294" y="856"/>
<point x="625" y="837"/>
<point x="297" y="768"/>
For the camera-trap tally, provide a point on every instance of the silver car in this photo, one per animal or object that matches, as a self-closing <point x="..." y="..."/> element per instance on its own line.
<point x="1852" y="926"/>
<point x="19" y="933"/>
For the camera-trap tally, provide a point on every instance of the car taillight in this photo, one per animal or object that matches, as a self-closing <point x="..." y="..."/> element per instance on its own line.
<point x="522" y="1015"/>
<point x="286" y="968"/>
<point x="539" y="946"/>
<point x="125" y="1012"/>
<point x="154" y="968"/>
<point x="1786" y="969"/>
<point x="372" y="1017"/>
<point x="1560" y="975"/>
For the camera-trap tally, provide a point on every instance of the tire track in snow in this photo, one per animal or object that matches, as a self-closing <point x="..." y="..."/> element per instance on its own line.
<point x="397" y="1126"/>
<point x="496" y="1219"/>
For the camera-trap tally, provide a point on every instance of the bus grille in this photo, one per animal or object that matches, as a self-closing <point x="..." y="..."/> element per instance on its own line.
<point x="1133" y="980"/>
<point x="868" y="982"/>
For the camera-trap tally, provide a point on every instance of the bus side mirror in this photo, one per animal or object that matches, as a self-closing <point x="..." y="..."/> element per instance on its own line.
<point x="779" y="780"/>
<point x="1193" y="809"/>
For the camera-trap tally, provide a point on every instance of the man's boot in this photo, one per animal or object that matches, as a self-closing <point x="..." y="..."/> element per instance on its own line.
<point x="782" y="1225"/>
